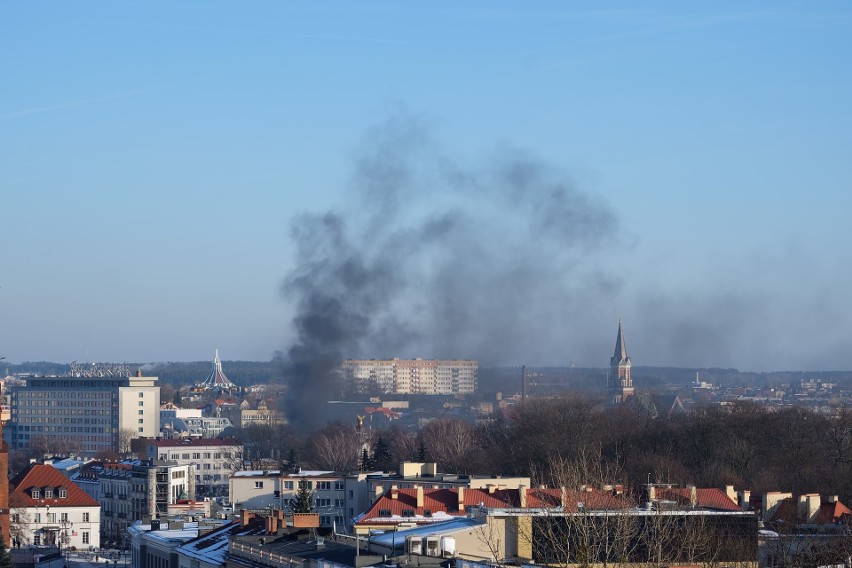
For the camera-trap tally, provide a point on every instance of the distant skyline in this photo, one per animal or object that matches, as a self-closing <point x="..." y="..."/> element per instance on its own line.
<point x="536" y="173"/>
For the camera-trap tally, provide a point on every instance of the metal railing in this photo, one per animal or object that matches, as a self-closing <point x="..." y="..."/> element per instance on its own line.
<point x="264" y="556"/>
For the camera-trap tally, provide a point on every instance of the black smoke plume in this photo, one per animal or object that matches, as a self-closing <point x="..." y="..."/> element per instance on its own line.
<point x="432" y="258"/>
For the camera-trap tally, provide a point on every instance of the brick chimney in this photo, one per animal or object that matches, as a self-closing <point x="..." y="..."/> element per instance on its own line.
<point x="419" y="496"/>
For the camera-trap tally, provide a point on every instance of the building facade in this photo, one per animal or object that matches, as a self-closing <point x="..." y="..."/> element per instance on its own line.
<point x="133" y="489"/>
<point x="212" y="460"/>
<point x="84" y="414"/>
<point x="412" y="376"/>
<point x="48" y="509"/>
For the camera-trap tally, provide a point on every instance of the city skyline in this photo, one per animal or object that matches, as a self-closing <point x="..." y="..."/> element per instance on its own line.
<point x="535" y="175"/>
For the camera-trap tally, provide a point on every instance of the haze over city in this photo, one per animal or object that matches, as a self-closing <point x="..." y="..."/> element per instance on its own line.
<point x="493" y="181"/>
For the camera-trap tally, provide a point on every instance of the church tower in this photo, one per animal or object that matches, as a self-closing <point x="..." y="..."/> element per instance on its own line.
<point x="619" y="384"/>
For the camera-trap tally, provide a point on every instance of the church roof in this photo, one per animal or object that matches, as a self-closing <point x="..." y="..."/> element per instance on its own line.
<point x="217" y="379"/>
<point x="620" y="345"/>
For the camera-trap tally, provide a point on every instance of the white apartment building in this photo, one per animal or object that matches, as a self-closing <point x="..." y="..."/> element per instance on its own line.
<point x="48" y="509"/>
<point x="258" y="490"/>
<point x="413" y="376"/>
<point x="84" y="414"/>
<point x="213" y="460"/>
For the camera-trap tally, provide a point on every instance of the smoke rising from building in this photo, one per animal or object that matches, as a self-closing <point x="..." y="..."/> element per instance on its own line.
<point x="433" y="258"/>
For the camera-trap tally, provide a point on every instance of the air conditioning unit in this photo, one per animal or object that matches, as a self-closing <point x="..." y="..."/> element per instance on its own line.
<point x="433" y="546"/>
<point x="448" y="546"/>
<point x="414" y="544"/>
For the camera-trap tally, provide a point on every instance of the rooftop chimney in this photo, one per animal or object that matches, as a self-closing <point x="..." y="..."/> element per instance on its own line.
<point x="394" y="491"/>
<point x="522" y="495"/>
<point x="419" y="496"/>
<point x="461" y="499"/>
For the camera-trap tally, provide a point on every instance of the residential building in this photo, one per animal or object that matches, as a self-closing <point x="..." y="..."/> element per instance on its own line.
<point x="272" y="489"/>
<point x="84" y="414"/>
<point x="213" y="460"/>
<point x="560" y="526"/>
<point x="133" y="489"/>
<point x="260" y="415"/>
<point x="412" y="376"/>
<point x="154" y="543"/>
<point x="48" y="509"/>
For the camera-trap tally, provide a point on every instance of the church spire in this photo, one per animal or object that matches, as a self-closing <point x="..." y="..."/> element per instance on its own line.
<point x="619" y="384"/>
<point x="620" y="346"/>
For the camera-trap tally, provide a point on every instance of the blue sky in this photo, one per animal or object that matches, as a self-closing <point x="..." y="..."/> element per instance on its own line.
<point x="153" y="156"/>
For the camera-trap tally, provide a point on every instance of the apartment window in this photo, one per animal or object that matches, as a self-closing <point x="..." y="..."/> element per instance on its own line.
<point x="185" y="456"/>
<point x="338" y="486"/>
<point x="36" y="493"/>
<point x="258" y="485"/>
<point x="323" y="485"/>
<point x="141" y="429"/>
<point x="141" y="411"/>
<point x="323" y="502"/>
<point x="196" y="456"/>
<point x="288" y="485"/>
<point x="141" y="421"/>
<point x="207" y="455"/>
<point x="48" y="493"/>
<point x="141" y="403"/>
<point x="85" y="537"/>
<point x="63" y="517"/>
<point x="85" y="517"/>
<point x="141" y="394"/>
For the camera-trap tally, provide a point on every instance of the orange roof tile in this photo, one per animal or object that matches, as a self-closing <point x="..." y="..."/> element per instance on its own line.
<point x="43" y="476"/>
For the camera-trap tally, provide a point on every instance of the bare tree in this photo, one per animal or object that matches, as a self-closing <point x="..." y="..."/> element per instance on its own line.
<point x="338" y="448"/>
<point x="450" y="443"/>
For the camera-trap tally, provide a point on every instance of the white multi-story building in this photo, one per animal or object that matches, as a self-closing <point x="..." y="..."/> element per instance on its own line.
<point x="413" y="376"/>
<point x="273" y="489"/>
<point x="133" y="489"/>
<point x="84" y="414"/>
<point x="213" y="460"/>
<point x="48" y="509"/>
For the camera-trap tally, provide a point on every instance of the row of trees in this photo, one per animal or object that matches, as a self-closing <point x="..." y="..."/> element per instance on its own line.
<point x="793" y="449"/>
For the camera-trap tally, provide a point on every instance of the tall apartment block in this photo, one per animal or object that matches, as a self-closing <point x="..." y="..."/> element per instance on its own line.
<point x="85" y="414"/>
<point x="413" y="376"/>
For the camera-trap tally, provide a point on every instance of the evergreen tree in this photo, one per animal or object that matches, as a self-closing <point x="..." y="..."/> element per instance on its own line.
<point x="303" y="501"/>
<point x="381" y="455"/>
<point x="177" y="398"/>
<point x="5" y="557"/>
<point x="366" y="463"/>
<point x="421" y="452"/>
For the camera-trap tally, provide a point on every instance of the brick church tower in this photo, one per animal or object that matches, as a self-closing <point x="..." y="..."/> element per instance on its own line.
<point x="619" y="384"/>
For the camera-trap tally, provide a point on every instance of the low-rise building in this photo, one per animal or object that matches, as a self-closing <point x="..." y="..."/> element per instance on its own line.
<point x="48" y="509"/>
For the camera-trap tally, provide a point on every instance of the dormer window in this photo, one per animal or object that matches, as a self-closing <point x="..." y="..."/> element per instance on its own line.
<point x="48" y="493"/>
<point x="63" y="493"/>
<point x="36" y="493"/>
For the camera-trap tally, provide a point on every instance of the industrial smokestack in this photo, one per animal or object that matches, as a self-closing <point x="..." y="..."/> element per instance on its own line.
<point x="523" y="382"/>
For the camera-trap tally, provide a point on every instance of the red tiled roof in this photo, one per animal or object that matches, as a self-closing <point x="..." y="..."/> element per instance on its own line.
<point x="706" y="498"/>
<point x="42" y="476"/>
<point x="830" y="513"/>
<point x="446" y="501"/>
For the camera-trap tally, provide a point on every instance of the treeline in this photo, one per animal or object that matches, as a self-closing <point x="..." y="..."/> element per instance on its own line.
<point x="793" y="449"/>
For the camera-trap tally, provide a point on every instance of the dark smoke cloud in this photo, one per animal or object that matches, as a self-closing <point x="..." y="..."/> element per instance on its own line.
<point x="433" y="258"/>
